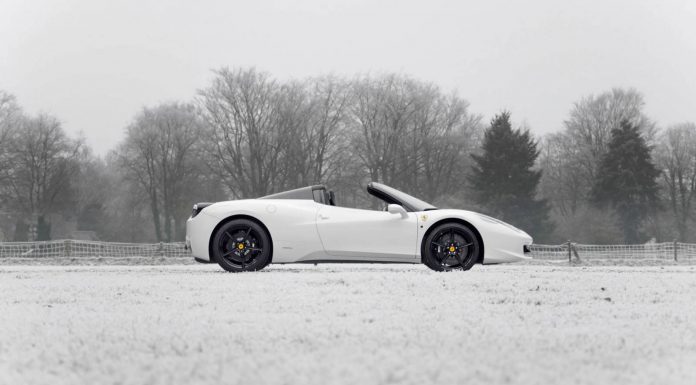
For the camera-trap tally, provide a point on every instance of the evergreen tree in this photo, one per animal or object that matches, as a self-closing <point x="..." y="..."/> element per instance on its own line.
<point x="626" y="180"/>
<point x="504" y="180"/>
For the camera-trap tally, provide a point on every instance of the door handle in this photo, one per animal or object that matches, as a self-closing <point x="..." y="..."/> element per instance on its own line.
<point x="321" y="216"/>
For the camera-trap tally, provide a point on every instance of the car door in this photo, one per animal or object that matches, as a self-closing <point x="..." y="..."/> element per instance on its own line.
<point x="348" y="232"/>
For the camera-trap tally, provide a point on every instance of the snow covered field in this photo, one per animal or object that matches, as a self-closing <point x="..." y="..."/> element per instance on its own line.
<point x="347" y="324"/>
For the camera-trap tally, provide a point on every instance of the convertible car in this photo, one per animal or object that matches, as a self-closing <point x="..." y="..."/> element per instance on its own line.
<point x="306" y="225"/>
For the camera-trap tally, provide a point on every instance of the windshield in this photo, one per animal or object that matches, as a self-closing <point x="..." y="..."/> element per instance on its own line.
<point x="392" y="195"/>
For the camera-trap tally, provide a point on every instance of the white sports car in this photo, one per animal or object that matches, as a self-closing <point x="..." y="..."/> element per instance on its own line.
<point x="305" y="225"/>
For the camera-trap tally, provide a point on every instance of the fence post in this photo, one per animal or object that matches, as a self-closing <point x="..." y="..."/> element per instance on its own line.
<point x="161" y="249"/>
<point x="575" y="251"/>
<point x="66" y="248"/>
<point x="569" y="255"/>
<point x="675" y="250"/>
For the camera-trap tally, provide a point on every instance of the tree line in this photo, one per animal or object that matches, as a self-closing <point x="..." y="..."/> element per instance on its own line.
<point x="610" y="175"/>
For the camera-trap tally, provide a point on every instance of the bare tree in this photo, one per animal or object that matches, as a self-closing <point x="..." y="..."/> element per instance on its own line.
<point x="592" y="119"/>
<point x="676" y="158"/>
<point x="562" y="182"/>
<point x="158" y="156"/>
<point x="268" y="135"/>
<point x="444" y="135"/>
<point x="408" y="134"/>
<point x="10" y="119"/>
<point x="313" y="114"/>
<point x="379" y="112"/>
<point x="45" y="163"/>
<point x="246" y="135"/>
<point x="570" y="158"/>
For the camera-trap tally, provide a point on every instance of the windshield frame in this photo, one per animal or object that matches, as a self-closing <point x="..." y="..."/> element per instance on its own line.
<point x="391" y="195"/>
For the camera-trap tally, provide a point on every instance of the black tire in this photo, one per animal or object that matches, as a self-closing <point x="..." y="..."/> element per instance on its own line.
<point x="241" y="245"/>
<point x="451" y="246"/>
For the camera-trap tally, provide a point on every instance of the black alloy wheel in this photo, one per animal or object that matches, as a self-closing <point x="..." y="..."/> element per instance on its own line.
<point x="451" y="246"/>
<point x="241" y="245"/>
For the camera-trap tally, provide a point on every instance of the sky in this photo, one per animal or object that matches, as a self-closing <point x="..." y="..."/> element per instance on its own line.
<point x="95" y="64"/>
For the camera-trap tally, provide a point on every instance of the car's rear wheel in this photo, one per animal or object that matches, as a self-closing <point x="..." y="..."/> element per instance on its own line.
<point x="451" y="246"/>
<point x="241" y="245"/>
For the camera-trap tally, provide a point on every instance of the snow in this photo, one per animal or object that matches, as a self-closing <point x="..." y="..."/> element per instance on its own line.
<point x="347" y="324"/>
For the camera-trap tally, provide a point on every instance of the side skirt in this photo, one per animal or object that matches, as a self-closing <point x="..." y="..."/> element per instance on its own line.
<point x="371" y="261"/>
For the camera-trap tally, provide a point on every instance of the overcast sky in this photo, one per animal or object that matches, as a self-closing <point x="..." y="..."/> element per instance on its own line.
<point x="94" y="64"/>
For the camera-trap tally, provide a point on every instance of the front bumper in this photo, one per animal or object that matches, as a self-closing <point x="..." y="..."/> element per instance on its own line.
<point x="507" y="246"/>
<point x="198" y="232"/>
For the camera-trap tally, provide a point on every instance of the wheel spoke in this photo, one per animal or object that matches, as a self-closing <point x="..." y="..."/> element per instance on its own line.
<point x="459" y="258"/>
<point x="467" y="245"/>
<point x="443" y="260"/>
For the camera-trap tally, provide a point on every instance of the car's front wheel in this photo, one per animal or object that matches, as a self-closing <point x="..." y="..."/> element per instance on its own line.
<point x="241" y="245"/>
<point x="451" y="246"/>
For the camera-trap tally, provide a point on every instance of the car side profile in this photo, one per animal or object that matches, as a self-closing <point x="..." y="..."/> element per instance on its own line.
<point x="306" y="226"/>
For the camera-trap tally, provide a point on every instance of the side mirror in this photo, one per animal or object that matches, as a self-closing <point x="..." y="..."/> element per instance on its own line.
<point x="397" y="209"/>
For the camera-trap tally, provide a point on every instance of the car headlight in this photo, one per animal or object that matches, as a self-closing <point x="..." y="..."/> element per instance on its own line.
<point x="493" y="220"/>
<point x="198" y="207"/>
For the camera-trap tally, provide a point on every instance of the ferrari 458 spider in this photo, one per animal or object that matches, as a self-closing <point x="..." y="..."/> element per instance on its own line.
<point x="306" y="225"/>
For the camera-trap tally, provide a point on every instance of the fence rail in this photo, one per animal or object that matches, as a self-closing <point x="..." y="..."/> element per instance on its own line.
<point x="76" y="249"/>
<point x="668" y="251"/>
